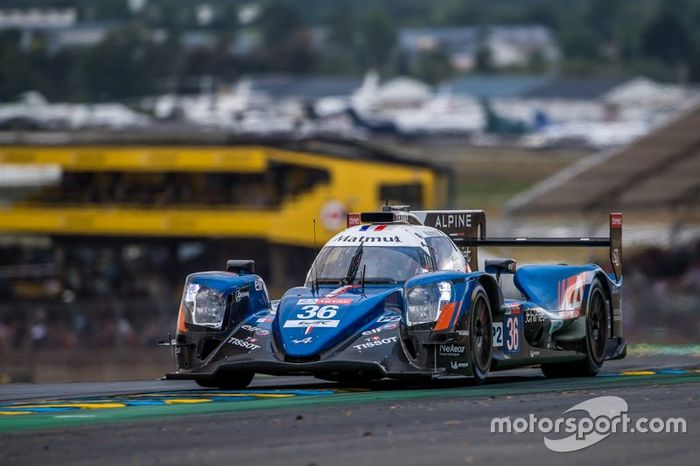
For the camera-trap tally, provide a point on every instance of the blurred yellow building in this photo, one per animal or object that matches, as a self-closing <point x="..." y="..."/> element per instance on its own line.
<point x="255" y="200"/>
<point x="251" y="191"/>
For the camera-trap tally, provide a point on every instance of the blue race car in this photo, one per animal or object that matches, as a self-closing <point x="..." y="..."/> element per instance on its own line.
<point x="398" y="294"/>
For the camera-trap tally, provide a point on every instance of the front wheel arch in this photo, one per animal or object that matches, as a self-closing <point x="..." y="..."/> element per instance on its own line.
<point x="493" y="291"/>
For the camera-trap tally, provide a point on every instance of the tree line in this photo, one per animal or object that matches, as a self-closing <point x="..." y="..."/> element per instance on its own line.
<point x="656" y="38"/>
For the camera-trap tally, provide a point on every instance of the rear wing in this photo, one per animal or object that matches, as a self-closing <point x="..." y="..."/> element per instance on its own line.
<point x="467" y="228"/>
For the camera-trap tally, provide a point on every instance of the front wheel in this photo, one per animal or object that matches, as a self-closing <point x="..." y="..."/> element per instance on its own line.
<point x="226" y="381"/>
<point x="480" y="335"/>
<point x="596" y="338"/>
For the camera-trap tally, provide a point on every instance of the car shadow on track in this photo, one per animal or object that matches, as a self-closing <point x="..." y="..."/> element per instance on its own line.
<point x="403" y="384"/>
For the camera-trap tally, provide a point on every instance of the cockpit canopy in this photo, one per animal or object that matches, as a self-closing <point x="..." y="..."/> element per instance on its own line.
<point x="356" y="251"/>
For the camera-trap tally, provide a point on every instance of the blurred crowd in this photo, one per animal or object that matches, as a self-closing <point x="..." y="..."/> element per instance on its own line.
<point x="86" y="307"/>
<point x="83" y="325"/>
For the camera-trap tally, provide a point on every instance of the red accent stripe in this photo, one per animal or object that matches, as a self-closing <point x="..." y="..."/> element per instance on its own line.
<point x="380" y="228"/>
<point x="458" y="306"/>
<point x="340" y="290"/>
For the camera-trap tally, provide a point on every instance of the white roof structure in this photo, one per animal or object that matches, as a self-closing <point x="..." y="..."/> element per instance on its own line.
<point x="402" y="91"/>
<point x="643" y="91"/>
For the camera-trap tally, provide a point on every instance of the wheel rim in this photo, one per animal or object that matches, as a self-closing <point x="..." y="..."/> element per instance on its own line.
<point x="597" y="326"/>
<point x="481" y="335"/>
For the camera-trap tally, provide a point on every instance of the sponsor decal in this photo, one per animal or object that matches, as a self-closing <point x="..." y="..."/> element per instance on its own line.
<point x="376" y="341"/>
<point x="570" y="293"/>
<point x="367" y="239"/>
<point x="615" y="220"/>
<point x="451" y="350"/>
<point x="241" y="294"/>
<point x="497" y="330"/>
<point x="255" y="330"/>
<point x="534" y="354"/>
<point x="303" y="341"/>
<point x="306" y="301"/>
<point x="353" y="220"/>
<point x="259" y="285"/>
<point x="513" y="308"/>
<point x="265" y="320"/>
<point x="463" y="333"/>
<point x="454" y="365"/>
<point x="311" y="323"/>
<point x="389" y="318"/>
<point x="533" y="317"/>
<point x="250" y="346"/>
<point x="383" y="328"/>
<point x="453" y="221"/>
<point x="338" y="301"/>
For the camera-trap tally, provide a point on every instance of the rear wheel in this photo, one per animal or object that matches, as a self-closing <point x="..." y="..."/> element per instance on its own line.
<point x="226" y="380"/>
<point x="596" y="339"/>
<point x="480" y="335"/>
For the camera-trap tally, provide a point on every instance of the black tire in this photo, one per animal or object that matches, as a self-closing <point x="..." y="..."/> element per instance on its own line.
<point x="597" y="326"/>
<point x="226" y="381"/>
<point x="480" y="335"/>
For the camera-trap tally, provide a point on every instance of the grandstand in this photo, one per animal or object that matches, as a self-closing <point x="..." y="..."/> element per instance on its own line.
<point x="656" y="178"/>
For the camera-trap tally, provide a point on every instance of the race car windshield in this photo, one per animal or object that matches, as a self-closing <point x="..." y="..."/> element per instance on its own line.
<point x="380" y="264"/>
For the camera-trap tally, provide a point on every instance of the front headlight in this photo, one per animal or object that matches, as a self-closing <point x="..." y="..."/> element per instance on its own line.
<point x="204" y="306"/>
<point x="425" y="302"/>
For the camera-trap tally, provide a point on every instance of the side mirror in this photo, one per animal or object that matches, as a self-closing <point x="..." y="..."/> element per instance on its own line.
<point x="499" y="266"/>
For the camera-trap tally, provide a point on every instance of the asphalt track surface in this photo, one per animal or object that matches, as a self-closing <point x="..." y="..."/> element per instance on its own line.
<point x="302" y="421"/>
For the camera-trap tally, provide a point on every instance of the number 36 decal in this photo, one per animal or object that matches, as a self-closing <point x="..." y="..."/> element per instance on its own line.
<point x="319" y="312"/>
<point x="506" y="334"/>
<point x="513" y="327"/>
